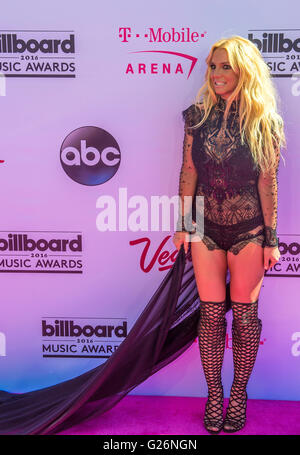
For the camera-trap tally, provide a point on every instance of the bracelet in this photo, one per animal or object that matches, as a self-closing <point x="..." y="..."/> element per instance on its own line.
<point x="183" y="222"/>
<point x="271" y="238"/>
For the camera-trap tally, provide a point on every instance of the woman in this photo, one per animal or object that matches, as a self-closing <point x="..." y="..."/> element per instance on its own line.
<point x="231" y="155"/>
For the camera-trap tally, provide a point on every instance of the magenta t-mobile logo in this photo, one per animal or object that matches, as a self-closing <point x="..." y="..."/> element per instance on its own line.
<point x="90" y="155"/>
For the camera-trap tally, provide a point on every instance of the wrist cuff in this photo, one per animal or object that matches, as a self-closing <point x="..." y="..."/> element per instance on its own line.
<point x="271" y="238"/>
<point x="185" y="224"/>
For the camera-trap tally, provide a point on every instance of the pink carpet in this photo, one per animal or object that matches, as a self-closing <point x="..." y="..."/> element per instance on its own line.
<point x="160" y="415"/>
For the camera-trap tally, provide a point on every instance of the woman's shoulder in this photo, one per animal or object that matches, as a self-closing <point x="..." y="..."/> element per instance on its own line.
<point x="193" y="114"/>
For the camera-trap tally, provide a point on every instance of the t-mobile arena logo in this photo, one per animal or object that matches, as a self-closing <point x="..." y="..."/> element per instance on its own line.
<point x="2" y="345"/>
<point x="90" y="155"/>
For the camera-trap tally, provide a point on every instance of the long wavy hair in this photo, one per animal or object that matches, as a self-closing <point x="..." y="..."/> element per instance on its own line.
<point x="261" y="126"/>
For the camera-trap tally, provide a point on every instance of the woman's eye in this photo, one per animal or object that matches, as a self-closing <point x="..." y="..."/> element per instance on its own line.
<point x="226" y="67"/>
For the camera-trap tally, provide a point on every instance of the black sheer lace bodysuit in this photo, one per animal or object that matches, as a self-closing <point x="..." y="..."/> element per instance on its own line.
<point x="240" y="202"/>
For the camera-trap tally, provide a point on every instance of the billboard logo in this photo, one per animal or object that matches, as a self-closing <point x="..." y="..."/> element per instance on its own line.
<point x="289" y="263"/>
<point x="90" y="155"/>
<point x="11" y="44"/>
<point x="275" y="42"/>
<point x="21" y="242"/>
<point x="82" y="338"/>
<point x="41" y="252"/>
<point x="279" y="48"/>
<point x="38" y="53"/>
<point x="67" y="328"/>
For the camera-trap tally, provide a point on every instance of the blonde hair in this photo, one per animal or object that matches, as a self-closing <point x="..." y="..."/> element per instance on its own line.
<point x="260" y="123"/>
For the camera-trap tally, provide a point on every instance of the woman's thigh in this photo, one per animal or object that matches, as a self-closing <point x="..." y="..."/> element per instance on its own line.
<point x="246" y="273"/>
<point x="210" y="267"/>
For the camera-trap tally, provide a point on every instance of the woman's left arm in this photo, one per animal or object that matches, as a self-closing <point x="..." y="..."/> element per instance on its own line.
<point x="267" y="189"/>
<point x="268" y="193"/>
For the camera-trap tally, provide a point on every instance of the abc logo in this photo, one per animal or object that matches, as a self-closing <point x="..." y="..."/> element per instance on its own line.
<point x="90" y="155"/>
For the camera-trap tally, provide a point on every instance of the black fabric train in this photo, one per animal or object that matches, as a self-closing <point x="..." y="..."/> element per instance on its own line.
<point x="163" y="331"/>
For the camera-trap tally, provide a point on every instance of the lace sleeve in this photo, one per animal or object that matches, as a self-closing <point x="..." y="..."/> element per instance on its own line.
<point x="267" y="188"/>
<point x="188" y="175"/>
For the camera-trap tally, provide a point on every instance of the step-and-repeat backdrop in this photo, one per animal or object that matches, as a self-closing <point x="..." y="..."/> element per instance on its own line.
<point x="91" y="143"/>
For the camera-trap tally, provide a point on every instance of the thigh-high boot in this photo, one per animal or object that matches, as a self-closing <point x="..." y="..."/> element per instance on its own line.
<point x="246" y="330"/>
<point x="211" y="335"/>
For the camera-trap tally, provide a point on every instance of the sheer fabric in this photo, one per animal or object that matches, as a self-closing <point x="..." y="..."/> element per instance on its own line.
<point x="164" y="330"/>
<point x="240" y="202"/>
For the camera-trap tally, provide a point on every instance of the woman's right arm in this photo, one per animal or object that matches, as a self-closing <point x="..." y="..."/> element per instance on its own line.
<point x="187" y="186"/>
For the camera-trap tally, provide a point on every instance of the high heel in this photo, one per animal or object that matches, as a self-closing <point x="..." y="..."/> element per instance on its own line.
<point x="211" y="334"/>
<point x="214" y="405"/>
<point x="236" y="415"/>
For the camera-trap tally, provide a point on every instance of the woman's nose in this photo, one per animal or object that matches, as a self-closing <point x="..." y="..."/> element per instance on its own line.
<point x="217" y="71"/>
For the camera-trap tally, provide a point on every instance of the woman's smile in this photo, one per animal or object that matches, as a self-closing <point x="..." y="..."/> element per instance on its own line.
<point x="223" y="78"/>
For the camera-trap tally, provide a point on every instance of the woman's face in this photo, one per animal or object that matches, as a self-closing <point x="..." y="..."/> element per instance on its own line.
<point x="223" y="79"/>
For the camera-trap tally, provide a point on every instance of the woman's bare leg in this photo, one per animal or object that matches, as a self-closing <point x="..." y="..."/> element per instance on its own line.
<point x="210" y="269"/>
<point x="246" y="277"/>
<point x="246" y="273"/>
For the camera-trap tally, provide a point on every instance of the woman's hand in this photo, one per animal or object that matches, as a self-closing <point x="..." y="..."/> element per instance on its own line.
<point x="179" y="238"/>
<point x="271" y="256"/>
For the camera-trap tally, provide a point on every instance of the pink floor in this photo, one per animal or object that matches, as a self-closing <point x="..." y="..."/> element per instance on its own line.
<point x="156" y="415"/>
